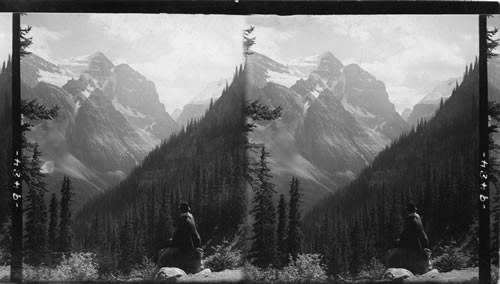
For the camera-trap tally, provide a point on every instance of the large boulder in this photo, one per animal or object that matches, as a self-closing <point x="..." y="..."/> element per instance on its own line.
<point x="188" y="260"/>
<point x="418" y="262"/>
<point x="397" y="273"/>
<point x="169" y="273"/>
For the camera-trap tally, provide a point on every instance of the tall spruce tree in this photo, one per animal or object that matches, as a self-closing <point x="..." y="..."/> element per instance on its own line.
<point x="35" y="245"/>
<point x="53" y="222"/>
<point x="263" y="249"/>
<point x="65" y="238"/>
<point x="126" y="260"/>
<point x="282" y="231"/>
<point x="294" y="233"/>
<point x="164" y="227"/>
<point x="36" y="210"/>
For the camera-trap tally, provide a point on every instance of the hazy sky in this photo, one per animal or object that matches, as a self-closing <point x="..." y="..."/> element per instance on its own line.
<point x="5" y="36"/>
<point x="181" y="54"/>
<point x="410" y="54"/>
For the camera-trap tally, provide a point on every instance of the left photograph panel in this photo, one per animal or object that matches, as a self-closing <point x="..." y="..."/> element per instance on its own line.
<point x="5" y="141"/>
<point x="135" y="145"/>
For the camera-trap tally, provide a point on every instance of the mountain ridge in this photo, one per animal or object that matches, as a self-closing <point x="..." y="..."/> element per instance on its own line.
<point x="335" y="120"/>
<point x="102" y="129"/>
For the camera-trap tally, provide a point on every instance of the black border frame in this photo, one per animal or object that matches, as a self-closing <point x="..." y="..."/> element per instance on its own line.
<point x="246" y="8"/>
<point x="483" y="207"/>
<point x="17" y="204"/>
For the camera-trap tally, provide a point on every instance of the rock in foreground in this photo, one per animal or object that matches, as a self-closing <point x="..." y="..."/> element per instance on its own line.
<point x="169" y="273"/>
<point x="397" y="273"/>
<point x="188" y="260"/>
<point x="418" y="262"/>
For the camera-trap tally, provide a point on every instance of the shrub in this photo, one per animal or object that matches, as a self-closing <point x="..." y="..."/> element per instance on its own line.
<point x="374" y="270"/>
<point x="223" y="258"/>
<point x="494" y="274"/>
<point x="77" y="267"/>
<point x="306" y="268"/>
<point x="255" y="274"/>
<point x="146" y="269"/>
<point x="451" y="258"/>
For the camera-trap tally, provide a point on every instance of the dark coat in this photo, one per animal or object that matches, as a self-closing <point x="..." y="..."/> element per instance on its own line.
<point x="186" y="235"/>
<point x="413" y="236"/>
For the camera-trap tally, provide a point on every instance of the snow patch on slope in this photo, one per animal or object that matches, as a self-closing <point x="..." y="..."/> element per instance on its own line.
<point x="78" y="104"/>
<point x="127" y="111"/>
<point x="307" y="104"/>
<point x="284" y="79"/>
<point x="56" y="79"/>
<point x="356" y="111"/>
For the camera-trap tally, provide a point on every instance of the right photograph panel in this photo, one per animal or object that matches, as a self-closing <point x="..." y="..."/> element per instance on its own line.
<point x="365" y="157"/>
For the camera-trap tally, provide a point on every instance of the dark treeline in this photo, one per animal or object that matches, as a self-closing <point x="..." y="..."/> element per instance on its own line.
<point x="5" y="154"/>
<point x="434" y="165"/>
<point x="48" y="233"/>
<point x="203" y="164"/>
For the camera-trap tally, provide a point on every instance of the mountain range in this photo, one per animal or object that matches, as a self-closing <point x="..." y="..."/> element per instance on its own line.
<point x="200" y="103"/>
<point x="336" y="119"/>
<point x="428" y="105"/>
<point x="109" y="118"/>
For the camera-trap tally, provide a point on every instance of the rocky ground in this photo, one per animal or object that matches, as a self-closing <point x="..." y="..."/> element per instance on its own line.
<point x="468" y="275"/>
<point x="221" y="276"/>
<point x="454" y="276"/>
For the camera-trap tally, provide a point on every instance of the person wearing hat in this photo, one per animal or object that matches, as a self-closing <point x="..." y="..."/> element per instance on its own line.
<point x="413" y="236"/>
<point x="412" y="251"/>
<point x="184" y="249"/>
<point x="186" y="236"/>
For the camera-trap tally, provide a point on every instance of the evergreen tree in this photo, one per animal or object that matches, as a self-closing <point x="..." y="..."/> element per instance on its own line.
<point x="126" y="259"/>
<point x="52" y="234"/>
<point x="263" y="249"/>
<point x="248" y="41"/>
<point x="294" y="233"/>
<point x="25" y="41"/>
<point x="491" y="42"/>
<point x="65" y="234"/>
<point x="164" y="227"/>
<point x="36" y="211"/>
<point x="356" y="244"/>
<point x="282" y="231"/>
<point x="432" y="165"/>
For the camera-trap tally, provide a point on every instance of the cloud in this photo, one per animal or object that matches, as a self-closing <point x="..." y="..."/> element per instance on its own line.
<point x="403" y="97"/>
<point x="43" y="39"/>
<point x="410" y="54"/>
<point x="179" y="53"/>
<point x="270" y="40"/>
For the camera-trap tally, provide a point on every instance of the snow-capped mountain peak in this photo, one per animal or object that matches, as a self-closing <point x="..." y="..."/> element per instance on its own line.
<point x="109" y="117"/>
<point x="335" y="119"/>
<point x="442" y="90"/>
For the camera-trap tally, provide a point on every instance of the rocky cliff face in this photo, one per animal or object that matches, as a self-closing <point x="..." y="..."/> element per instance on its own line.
<point x="110" y="117"/>
<point x="336" y="119"/>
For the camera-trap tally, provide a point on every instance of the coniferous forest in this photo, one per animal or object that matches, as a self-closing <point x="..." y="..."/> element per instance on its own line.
<point x="433" y="166"/>
<point x="203" y="164"/>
